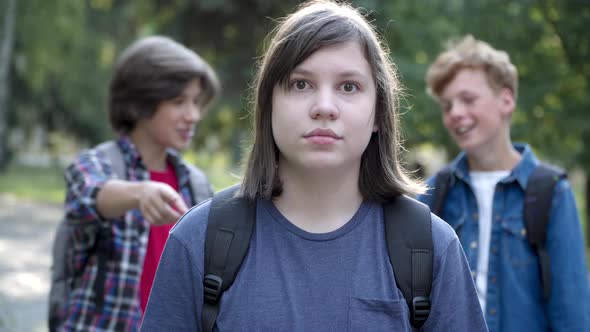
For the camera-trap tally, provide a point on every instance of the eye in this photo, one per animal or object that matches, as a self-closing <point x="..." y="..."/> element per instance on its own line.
<point x="468" y="100"/>
<point x="178" y="100"/>
<point x="299" y="84"/>
<point x="350" y="87"/>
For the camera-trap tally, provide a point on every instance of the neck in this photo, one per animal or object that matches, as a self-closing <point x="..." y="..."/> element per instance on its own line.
<point x="152" y="155"/>
<point x="319" y="202"/>
<point x="498" y="157"/>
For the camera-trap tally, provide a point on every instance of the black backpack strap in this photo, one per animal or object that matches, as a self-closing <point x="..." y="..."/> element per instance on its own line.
<point x="230" y="226"/>
<point x="441" y="188"/>
<point x="537" y="206"/>
<point x="408" y="229"/>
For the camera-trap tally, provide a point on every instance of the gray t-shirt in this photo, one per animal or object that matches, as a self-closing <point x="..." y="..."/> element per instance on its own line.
<point x="292" y="280"/>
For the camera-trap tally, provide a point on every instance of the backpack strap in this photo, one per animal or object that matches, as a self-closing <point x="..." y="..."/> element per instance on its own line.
<point x="113" y="153"/>
<point x="199" y="184"/>
<point x="408" y="229"/>
<point x="103" y="246"/>
<point x="230" y="226"/>
<point x="441" y="189"/>
<point x="537" y="206"/>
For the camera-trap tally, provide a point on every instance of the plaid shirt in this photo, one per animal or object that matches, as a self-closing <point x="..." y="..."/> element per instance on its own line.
<point x="85" y="177"/>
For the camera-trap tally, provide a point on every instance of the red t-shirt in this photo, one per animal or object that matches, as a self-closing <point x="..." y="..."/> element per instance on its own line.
<point x="157" y="239"/>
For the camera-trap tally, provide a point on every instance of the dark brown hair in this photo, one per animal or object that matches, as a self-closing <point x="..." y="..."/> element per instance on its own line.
<point x="318" y="24"/>
<point x="152" y="70"/>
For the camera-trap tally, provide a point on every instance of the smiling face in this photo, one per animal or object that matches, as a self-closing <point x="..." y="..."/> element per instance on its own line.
<point x="173" y="124"/>
<point x="476" y="116"/>
<point x="324" y="116"/>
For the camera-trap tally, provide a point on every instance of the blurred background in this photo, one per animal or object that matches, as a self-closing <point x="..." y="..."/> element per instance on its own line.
<point x="56" y="59"/>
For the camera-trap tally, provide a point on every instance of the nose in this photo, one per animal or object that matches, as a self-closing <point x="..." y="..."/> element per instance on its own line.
<point x="455" y="110"/>
<point x="193" y="113"/>
<point x="324" y="105"/>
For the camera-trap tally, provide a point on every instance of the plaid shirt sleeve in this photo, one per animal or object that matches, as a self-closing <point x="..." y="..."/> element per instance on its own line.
<point x="84" y="178"/>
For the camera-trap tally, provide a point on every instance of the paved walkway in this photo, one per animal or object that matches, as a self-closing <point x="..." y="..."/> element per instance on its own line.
<point x="26" y="235"/>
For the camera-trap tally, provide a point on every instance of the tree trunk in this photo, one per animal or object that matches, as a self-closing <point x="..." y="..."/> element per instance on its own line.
<point x="5" y="61"/>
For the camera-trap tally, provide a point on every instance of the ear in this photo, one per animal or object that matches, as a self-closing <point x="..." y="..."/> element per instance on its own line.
<point x="507" y="102"/>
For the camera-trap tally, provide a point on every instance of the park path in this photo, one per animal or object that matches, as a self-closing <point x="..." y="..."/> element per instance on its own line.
<point x="26" y="234"/>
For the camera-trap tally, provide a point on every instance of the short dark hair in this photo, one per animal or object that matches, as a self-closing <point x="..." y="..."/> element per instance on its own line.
<point x="152" y="70"/>
<point x="318" y="24"/>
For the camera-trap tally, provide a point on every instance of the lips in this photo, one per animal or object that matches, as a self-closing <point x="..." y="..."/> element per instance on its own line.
<point x="186" y="133"/>
<point x="322" y="136"/>
<point x="322" y="132"/>
<point x="462" y="130"/>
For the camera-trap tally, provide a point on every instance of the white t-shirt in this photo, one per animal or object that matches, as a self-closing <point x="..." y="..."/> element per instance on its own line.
<point x="484" y="185"/>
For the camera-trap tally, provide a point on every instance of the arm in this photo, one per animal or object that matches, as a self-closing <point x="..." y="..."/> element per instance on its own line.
<point x="158" y="202"/>
<point x="455" y="306"/>
<point x="92" y="193"/>
<point x="569" y="303"/>
<point x="84" y="179"/>
<point x="176" y="298"/>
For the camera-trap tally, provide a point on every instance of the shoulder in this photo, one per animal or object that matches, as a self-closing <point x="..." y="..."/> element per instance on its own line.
<point x="89" y="161"/>
<point x="191" y="229"/>
<point x="443" y="235"/>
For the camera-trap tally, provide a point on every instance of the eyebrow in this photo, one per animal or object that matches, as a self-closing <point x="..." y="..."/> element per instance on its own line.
<point x="344" y="74"/>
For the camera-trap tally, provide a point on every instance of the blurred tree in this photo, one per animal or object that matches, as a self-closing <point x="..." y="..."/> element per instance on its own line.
<point x="64" y="51"/>
<point x="6" y="46"/>
<point x="574" y="39"/>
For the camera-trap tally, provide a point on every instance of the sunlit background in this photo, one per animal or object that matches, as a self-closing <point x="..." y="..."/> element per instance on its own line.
<point x="56" y="59"/>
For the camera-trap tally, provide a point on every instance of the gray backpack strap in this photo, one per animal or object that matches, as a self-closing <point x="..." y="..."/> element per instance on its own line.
<point x="115" y="156"/>
<point x="200" y="186"/>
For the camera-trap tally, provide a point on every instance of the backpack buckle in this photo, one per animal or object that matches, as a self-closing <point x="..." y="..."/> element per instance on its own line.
<point x="212" y="288"/>
<point x="420" y="308"/>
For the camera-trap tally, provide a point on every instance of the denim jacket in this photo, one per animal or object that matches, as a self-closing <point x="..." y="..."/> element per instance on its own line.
<point x="514" y="299"/>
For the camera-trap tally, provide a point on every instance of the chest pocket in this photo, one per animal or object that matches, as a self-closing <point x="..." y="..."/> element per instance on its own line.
<point x="378" y="315"/>
<point x="515" y="245"/>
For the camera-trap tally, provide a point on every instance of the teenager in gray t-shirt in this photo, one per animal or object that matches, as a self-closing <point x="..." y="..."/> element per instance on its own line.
<point x="325" y="157"/>
<point x="294" y="280"/>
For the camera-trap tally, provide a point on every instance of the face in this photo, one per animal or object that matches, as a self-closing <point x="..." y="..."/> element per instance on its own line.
<point x="324" y="117"/>
<point x="173" y="123"/>
<point x="475" y="115"/>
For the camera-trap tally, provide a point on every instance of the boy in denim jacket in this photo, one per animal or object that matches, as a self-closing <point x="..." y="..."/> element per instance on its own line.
<point x="476" y="88"/>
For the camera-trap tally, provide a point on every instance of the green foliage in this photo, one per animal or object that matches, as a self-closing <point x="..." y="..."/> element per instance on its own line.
<point x="65" y="50"/>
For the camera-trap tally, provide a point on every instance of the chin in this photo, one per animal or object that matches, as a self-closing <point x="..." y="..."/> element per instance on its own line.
<point x="180" y="145"/>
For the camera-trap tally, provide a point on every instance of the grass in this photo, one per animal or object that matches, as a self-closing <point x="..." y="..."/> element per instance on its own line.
<point x="41" y="184"/>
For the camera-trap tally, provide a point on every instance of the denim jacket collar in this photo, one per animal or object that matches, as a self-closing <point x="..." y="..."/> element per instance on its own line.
<point x="520" y="173"/>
